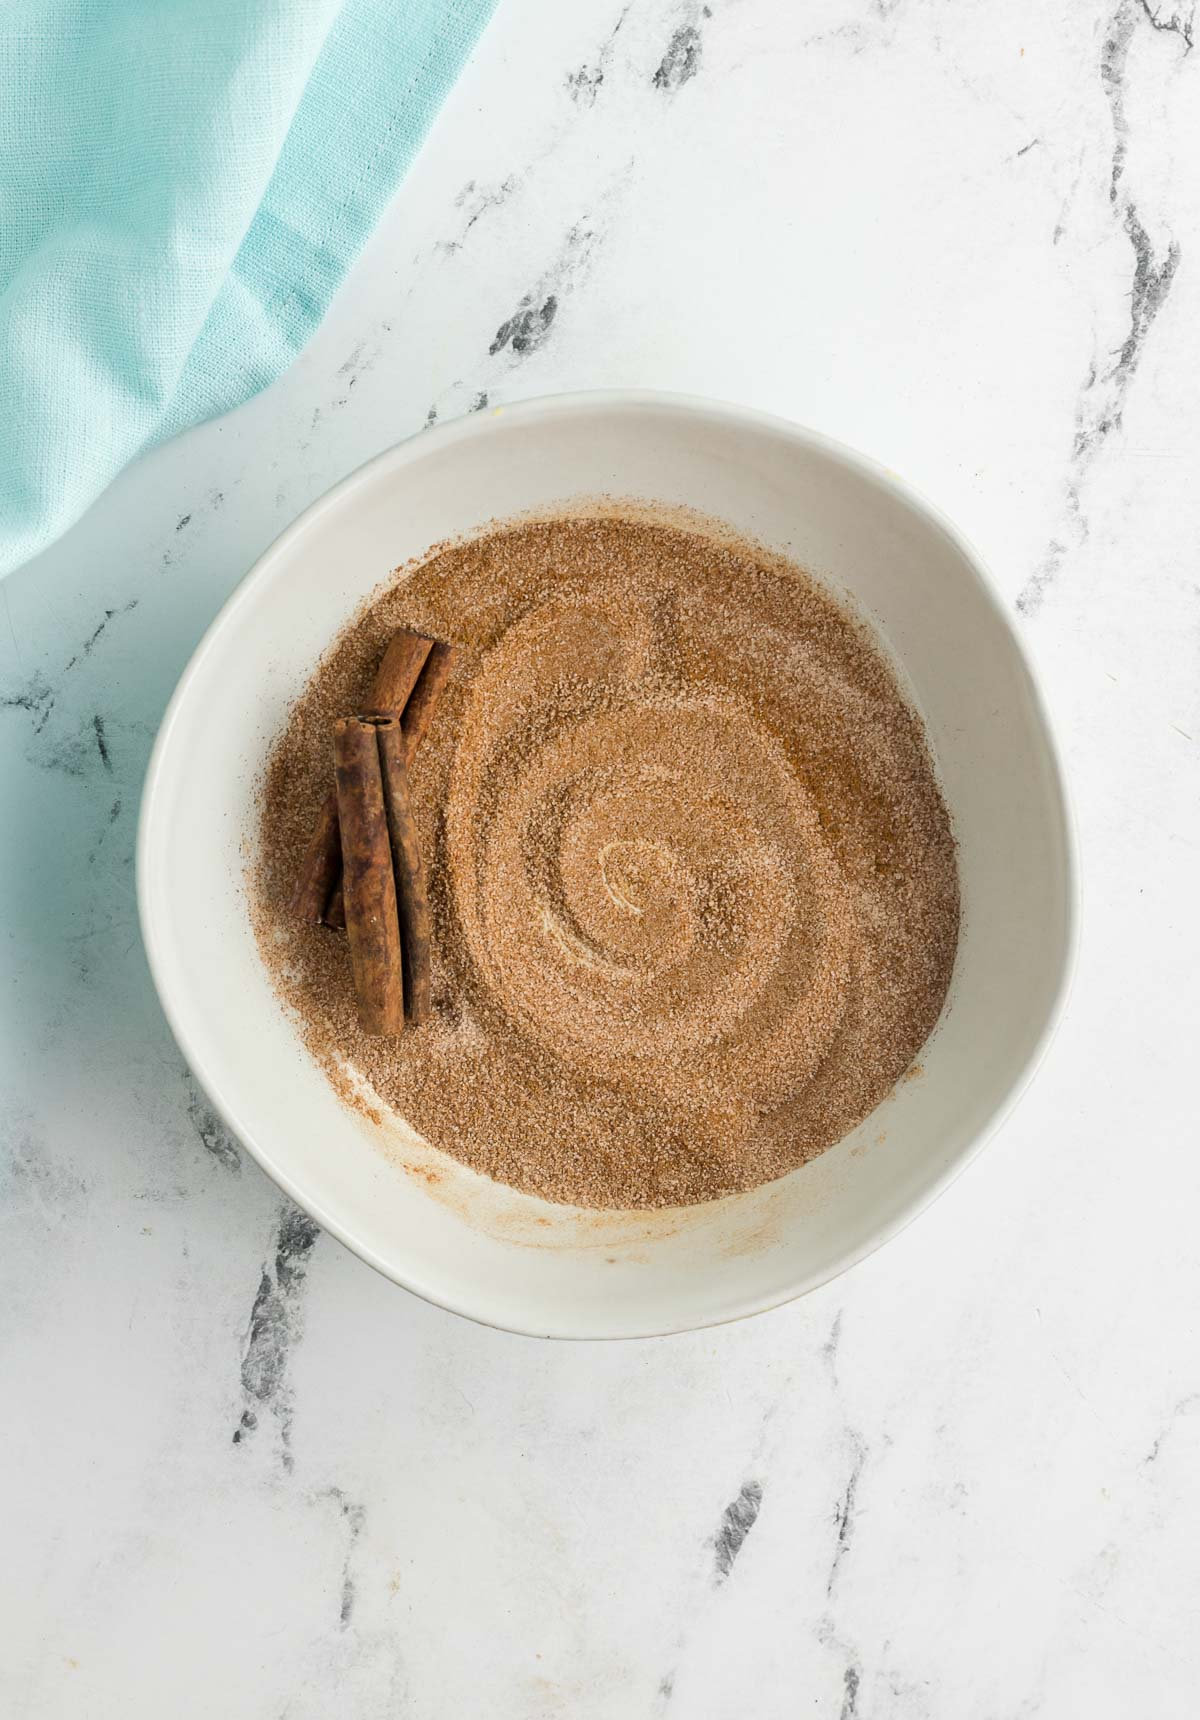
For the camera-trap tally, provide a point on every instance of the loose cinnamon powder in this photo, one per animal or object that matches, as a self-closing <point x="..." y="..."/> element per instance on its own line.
<point x="693" y="886"/>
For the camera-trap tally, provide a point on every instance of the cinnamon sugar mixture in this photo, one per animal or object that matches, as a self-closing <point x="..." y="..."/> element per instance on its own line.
<point x="694" y="888"/>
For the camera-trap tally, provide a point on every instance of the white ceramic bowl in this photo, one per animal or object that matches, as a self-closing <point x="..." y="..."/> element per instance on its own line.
<point x="420" y="1217"/>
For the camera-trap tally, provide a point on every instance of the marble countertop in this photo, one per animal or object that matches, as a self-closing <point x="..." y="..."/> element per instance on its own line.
<point x="244" y="1475"/>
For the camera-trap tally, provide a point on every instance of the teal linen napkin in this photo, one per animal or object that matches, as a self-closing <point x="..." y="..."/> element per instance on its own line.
<point x="183" y="184"/>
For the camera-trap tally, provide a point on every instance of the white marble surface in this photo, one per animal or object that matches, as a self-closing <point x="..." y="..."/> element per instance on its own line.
<point x="243" y="1475"/>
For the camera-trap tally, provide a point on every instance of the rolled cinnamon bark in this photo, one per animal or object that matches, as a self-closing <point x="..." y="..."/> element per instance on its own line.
<point x="321" y="870"/>
<point x="397" y="675"/>
<point x="335" y="909"/>
<point x="412" y="901"/>
<point x="423" y="700"/>
<point x="372" y="916"/>
<point x="418" y="714"/>
<point x="395" y="679"/>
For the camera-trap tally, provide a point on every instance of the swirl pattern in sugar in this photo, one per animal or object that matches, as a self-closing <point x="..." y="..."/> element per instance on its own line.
<point x="694" y="884"/>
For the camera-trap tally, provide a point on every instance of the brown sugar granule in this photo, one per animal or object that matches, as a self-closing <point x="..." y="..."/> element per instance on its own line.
<point x="693" y="888"/>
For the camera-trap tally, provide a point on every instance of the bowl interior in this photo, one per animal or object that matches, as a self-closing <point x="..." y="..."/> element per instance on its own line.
<point x="429" y="1223"/>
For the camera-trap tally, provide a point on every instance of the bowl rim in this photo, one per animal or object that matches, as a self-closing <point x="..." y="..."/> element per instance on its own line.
<point x="731" y="415"/>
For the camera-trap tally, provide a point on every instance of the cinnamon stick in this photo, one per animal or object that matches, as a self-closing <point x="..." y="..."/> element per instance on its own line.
<point x="423" y="700"/>
<point x="418" y="714"/>
<point x="335" y="909"/>
<point x="372" y="916"/>
<point x="321" y="869"/>
<point x="395" y="679"/>
<point x="399" y="670"/>
<point x="412" y="901"/>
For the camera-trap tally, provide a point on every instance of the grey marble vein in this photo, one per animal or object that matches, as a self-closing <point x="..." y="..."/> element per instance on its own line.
<point x="844" y="1513"/>
<point x="211" y="1132"/>
<point x="528" y="327"/>
<point x="684" y="51"/>
<point x="354" y="1516"/>
<point x="845" y="1509"/>
<point x="584" y="83"/>
<point x="829" y="1350"/>
<point x="852" y="1671"/>
<point x="94" y="637"/>
<point x="1178" y="21"/>
<point x="527" y="330"/>
<point x="1184" y="1407"/>
<point x="737" y="1520"/>
<point x="273" y="1328"/>
<point x="845" y="1521"/>
<point x="1100" y="404"/>
<point x="36" y="698"/>
<point x="39" y="694"/>
<point x="101" y="734"/>
<point x="475" y="201"/>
